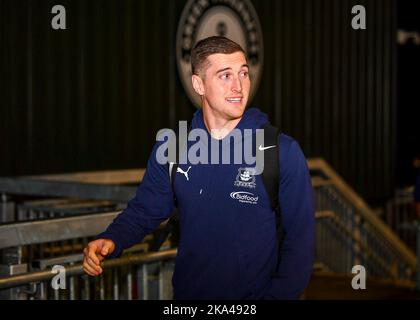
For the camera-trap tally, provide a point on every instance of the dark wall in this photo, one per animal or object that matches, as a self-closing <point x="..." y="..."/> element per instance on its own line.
<point x="333" y="88"/>
<point x="93" y="96"/>
<point x="408" y="111"/>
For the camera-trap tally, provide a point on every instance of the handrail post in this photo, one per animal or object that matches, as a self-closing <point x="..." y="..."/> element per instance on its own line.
<point x="12" y="257"/>
<point x="18" y="292"/>
<point x="7" y="209"/>
<point x="3" y="207"/>
<point x="357" y="237"/>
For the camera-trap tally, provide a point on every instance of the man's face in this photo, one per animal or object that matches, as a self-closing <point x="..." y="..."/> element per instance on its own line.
<point x="225" y="85"/>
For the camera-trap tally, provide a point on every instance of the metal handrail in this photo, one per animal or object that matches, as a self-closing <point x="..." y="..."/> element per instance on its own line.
<point x="41" y="231"/>
<point x="128" y="259"/>
<point x="365" y="212"/>
<point x="53" y="188"/>
<point x="56" y="229"/>
<point x="74" y="270"/>
<point x="331" y="179"/>
<point x="107" y="177"/>
<point x="349" y="233"/>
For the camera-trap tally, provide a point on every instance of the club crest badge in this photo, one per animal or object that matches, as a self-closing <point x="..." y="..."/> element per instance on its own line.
<point x="245" y="178"/>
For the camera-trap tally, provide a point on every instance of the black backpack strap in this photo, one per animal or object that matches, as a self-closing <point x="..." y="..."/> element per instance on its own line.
<point x="271" y="177"/>
<point x="172" y="167"/>
<point x="271" y="172"/>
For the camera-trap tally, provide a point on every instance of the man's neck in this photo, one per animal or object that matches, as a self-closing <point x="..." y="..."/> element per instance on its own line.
<point x="218" y="126"/>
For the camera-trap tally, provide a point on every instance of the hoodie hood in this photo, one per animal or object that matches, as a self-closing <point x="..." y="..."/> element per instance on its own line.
<point x="251" y="120"/>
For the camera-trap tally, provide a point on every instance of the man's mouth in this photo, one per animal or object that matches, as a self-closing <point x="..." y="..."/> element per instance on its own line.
<point x="235" y="100"/>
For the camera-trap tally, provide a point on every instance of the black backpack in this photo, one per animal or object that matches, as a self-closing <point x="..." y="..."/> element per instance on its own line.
<point x="270" y="177"/>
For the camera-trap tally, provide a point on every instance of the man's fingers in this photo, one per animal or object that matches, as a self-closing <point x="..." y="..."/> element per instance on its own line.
<point x="89" y="269"/>
<point x="93" y="265"/>
<point x="87" y="265"/>
<point x="92" y="255"/>
<point x="92" y="247"/>
<point x="95" y="268"/>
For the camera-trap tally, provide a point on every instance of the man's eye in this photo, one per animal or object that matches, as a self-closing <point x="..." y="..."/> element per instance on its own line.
<point x="244" y="74"/>
<point x="225" y="76"/>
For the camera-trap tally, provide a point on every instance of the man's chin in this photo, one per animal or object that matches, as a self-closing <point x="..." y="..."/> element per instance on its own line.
<point x="235" y="111"/>
<point x="229" y="111"/>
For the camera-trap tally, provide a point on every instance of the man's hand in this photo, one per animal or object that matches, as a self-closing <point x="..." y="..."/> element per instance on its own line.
<point x="95" y="252"/>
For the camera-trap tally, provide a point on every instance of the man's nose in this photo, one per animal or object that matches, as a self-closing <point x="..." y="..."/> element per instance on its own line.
<point x="237" y="85"/>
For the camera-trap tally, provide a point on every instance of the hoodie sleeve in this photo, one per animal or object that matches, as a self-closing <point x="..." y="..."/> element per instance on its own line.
<point x="152" y="204"/>
<point x="298" y="217"/>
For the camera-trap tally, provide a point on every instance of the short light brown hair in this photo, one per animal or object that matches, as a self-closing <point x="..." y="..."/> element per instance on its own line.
<point x="209" y="46"/>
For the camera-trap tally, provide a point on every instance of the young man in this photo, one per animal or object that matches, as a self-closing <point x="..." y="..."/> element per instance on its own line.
<point x="228" y="247"/>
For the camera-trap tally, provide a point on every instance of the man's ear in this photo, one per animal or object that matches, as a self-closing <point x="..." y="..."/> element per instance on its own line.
<point x="197" y="84"/>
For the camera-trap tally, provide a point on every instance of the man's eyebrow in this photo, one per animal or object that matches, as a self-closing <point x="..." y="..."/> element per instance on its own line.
<point x="225" y="69"/>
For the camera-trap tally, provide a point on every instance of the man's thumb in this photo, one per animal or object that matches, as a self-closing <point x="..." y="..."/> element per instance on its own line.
<point x="105" y="248"/>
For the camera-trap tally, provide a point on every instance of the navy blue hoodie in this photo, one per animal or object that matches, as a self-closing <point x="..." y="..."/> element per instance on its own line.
<point x="228" y="247"/>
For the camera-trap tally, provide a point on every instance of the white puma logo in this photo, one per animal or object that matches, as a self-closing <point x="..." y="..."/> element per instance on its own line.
<point x="185" y="173"/>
